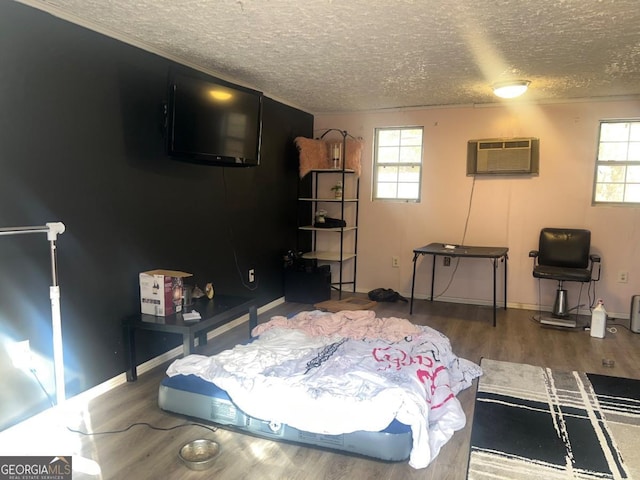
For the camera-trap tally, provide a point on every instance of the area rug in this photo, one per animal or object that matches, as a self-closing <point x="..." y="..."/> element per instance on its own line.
<point x="535" y="423"/>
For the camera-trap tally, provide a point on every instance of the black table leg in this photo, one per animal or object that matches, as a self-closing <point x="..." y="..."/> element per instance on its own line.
<point x="202" y="340"/>
<point x="130" y="353"/>
<point x="495" y="267"/>
<point x="506" y="257"/>
<point x="253" y="319"/>
<point x="433" y="274"/>
<point x="188" y="343"/>
<point x="413" y="282"/>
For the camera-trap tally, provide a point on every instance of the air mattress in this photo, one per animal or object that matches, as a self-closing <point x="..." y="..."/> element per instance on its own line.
<point x="194" y="397"/>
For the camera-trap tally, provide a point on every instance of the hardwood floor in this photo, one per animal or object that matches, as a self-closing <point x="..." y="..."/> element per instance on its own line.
<point x="144" y="453"/>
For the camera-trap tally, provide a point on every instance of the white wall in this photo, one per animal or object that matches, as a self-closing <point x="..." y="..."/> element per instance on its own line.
<point x="505" y="211"/>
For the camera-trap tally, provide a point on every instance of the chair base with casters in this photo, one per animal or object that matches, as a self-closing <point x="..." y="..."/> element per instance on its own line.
<point x="563" y="255"/>
<point x="560" y="314"/>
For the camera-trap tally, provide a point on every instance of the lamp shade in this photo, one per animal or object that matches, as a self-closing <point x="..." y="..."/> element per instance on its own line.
<point x="510" y="89"/>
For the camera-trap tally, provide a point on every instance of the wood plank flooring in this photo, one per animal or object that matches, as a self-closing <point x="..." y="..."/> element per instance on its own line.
<point x="143" y="453"/>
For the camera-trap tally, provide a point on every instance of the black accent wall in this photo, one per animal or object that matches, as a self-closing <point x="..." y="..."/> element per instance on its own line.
<point x="81" y="142"/>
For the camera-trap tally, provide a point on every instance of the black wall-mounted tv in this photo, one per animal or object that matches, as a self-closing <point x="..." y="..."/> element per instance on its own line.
<point x="213" y="122"/>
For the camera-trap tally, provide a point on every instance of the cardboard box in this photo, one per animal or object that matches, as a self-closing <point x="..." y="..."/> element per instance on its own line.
<point x="161" y="292"/>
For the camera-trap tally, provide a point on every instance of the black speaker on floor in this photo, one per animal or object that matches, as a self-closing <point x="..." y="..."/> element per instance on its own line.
<point x="307" y="286"/>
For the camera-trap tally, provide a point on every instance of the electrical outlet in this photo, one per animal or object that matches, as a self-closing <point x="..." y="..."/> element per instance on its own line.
<point x="446" y="261"/>
<point x="623" y="277"/>
<point x="252" y="275"/>
<point x="395" y="262"/>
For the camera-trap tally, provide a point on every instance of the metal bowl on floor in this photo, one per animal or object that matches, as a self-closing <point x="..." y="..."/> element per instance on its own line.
<point x="199" y="454"/>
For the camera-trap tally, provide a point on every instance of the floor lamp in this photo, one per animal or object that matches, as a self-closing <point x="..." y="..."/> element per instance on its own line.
<point x="52" y="230"/>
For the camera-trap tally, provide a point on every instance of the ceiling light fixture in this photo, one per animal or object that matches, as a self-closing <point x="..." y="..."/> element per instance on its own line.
<point x="510" y="89"/>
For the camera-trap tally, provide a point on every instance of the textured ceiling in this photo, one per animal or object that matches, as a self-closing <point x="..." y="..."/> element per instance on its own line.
<point x="349" y="55"/>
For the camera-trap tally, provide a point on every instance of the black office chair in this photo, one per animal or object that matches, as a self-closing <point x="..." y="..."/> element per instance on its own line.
<point x="564" y="255"/>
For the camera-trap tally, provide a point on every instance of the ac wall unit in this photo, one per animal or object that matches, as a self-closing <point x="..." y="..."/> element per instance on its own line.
<point x="503" y="156"/>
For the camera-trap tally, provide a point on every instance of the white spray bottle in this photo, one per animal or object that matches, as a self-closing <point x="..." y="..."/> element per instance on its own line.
<point x="599" y="320"/>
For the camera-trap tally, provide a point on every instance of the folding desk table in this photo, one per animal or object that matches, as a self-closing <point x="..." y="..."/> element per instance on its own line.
<point x="462" y="251"/>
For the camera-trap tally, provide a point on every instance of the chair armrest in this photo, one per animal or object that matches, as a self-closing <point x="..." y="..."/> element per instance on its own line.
<point x="533" y="253"/>
<point x="594" y="258"/>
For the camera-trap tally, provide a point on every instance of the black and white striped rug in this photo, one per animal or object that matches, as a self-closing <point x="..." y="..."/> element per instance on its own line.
<point x="536" y="423"/>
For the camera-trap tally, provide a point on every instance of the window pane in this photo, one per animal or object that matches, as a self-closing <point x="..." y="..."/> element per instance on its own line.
<point x="408" y="191"/>
<point x="412" y="154"/>
<point x="412" y="137"/>
<point x="618" y="163"/>
<point x="409" y="174"/>
<point x="388" y="137"/>
<point x="633" y="174"/>
<point x="614" y="132"/>
<point x="398" y="163"/>
<point x="632" y="193"/>
<point x="387" y="174"/>
<point x="611" y="174"/>
<point x="387" y="190"/>
<point x="612" y="151"/>
<point x="388" y="154"/>
<point x="609" y="192"/>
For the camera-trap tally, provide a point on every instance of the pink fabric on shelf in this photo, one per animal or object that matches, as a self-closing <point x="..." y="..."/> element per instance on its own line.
<point x="314" y="154"/>
<point x="354" y="324"/>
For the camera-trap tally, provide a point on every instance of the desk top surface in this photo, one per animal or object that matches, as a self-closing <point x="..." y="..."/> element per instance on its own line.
<point x="461" y="250"/>
<point x="208" y="309"/>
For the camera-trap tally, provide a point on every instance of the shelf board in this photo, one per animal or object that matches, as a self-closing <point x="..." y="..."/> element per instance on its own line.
<point x="327" y="256"/>
<point x="332" y="170"/>
<point x="311" y="228"/>
<point x="336" y="200"/>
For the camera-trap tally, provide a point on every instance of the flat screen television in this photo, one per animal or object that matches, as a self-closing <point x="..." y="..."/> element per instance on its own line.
<point x="213" y="122"/>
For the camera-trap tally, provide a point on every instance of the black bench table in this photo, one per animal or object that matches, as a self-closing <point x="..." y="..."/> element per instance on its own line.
<point x="214" y="313"/>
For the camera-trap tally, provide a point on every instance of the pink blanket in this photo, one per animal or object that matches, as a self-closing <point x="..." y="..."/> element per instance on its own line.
<point x="353" y="324"/>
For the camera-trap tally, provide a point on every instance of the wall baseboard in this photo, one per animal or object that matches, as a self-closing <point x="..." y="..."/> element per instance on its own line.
<point x="500" y="303"/>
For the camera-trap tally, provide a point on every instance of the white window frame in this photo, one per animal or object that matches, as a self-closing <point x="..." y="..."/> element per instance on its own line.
<point x="627" y="182"/>
<point x="399" y="163"/>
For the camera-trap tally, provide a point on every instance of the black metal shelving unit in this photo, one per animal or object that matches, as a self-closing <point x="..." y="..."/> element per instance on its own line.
<point x="345" y="256"/>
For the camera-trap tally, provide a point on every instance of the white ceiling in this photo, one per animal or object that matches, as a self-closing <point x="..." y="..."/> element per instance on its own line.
<point x="351" y="55"/>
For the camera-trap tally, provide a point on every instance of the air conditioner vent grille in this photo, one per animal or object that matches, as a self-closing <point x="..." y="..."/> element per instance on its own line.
<point x="507" y="156"/>
<point x="507" y="144"/>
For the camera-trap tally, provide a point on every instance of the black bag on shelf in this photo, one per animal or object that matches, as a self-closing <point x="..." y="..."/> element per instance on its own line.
<point x="330" y="223"/>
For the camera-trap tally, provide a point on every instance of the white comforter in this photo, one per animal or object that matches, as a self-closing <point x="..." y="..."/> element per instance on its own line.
<point x="329" y="374"/>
